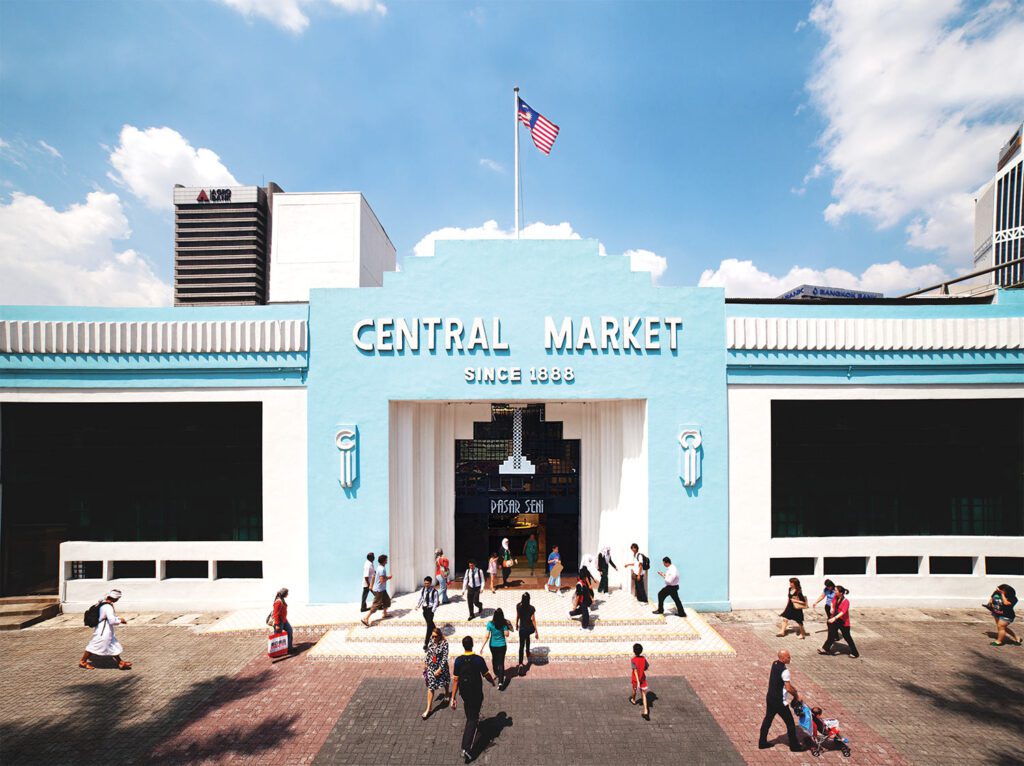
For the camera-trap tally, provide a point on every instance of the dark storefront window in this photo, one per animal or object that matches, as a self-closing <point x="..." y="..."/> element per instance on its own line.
<point x="125" y="473"/>
<point x="938" y="467"/>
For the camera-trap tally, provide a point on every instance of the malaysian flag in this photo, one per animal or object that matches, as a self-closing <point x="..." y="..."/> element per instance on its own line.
<point x="543" y="130"/>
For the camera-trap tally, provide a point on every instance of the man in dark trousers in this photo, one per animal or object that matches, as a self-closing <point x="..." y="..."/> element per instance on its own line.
<point x="780" y="693"/>
<point x="470" y="670"/>
<point x="428" y="602"/>
<point x="671" y="589"/>
<point x="472" y="582"/>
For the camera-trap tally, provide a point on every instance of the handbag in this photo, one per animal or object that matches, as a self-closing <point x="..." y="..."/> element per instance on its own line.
<point x="798" y="604"/>
<point x="277" y="645"/>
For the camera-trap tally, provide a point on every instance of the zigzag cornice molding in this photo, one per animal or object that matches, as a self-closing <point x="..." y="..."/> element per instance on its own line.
<point x="875" y="334"/>
<point x="153" y="338"/>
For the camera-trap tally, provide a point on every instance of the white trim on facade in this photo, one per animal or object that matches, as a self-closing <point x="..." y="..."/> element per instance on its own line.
<point x="210" y="337"/>
<point x="796" y="334"/>
<point x="751" y="545"/>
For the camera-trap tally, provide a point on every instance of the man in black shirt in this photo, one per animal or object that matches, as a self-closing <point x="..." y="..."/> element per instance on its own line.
<point x="470" y="670"/>
<point x="780" y="693"/>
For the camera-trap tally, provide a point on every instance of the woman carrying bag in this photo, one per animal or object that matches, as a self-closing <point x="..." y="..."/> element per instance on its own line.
<point x="795" y="605"/>
<point x="435" y="669"/>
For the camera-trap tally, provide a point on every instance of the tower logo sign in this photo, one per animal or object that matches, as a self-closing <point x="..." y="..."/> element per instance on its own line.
<point x="215" y="195"/>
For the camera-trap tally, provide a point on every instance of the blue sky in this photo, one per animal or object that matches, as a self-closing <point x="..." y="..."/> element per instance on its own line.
<point x="697" y="136"/>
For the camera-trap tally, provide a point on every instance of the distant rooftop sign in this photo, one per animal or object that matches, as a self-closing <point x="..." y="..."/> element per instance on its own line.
<point x="817" y="291"/>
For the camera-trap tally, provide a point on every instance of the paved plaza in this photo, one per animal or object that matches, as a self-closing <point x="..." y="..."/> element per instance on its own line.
<point x="928" y="689"/>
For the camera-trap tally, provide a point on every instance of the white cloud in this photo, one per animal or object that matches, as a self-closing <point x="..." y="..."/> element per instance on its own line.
<point x="918" y="97"/>
<point x="49" y="256"/>
<point x="50" y="150"/>
<point x="497" y="167"/>
<point x="149" y="162"/>
<point x="640" y="260"/>
<point x="290" y="15"/>
<point x="742" y="279"/>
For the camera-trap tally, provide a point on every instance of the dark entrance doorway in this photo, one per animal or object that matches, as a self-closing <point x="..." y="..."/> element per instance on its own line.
<point x="498" y="495"/>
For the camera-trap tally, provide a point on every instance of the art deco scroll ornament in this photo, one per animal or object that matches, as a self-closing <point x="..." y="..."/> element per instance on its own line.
<point x="690" y="459"/>
<point x="347" y="441"/>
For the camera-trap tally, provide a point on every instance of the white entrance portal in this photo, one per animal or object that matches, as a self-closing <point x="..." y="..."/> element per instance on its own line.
<point x="421" y="499"/>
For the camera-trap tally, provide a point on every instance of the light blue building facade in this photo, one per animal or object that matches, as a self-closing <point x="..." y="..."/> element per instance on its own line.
<point x="878" y="441"/>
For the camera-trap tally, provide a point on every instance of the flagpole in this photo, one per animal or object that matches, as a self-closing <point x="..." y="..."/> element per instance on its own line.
<point x="515" y="124"/>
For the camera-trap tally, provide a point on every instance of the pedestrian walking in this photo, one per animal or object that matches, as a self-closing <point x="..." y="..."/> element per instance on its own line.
<point x="428" y="602"/>
<point x="638" y="570"/>
<point x="780" y="693"/>
<point x="442" y="572"/>
<point x="1001" y="605"/>
<point x="604" y="560"/>
<point x="796" y="602"/>
<point x="530" y="551"/>
<point x="435" y="669"/>
<point x="526" y="627"/>
<point x="367" y="581"/>
<point x="497" y="634"/>
<point x="472" y="582"/>
<point x="638" y="667"/>
<point x="838" y="623"/>
<point x="583" y="598"/>
<point x="103" y="642"/>
<point x="470" y="670"/>
<point x="279" y="618"/>
<point x="671" y="589"/>
<point x="829" y="595"/>
<point x="589" y="562"/>
<point x="554" y="571"/>
<point x="381" y="599"/>
<point x="507" y="562"/>
<point x="492" y="572"/>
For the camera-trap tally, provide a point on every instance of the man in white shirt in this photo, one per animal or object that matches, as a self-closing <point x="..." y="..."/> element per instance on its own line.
<point x="367" y="581"/>
<point x="381" y="599"/>
<point x="638" y="574"/>
<point x="472" y="582"/>
<point x="428" y="603"/>
<point x="671" y="589"/>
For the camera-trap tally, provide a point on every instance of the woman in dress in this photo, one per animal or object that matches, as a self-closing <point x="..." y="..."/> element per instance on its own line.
<point x="795" y="605"/>
<point x="526" y="626"/>
<point x="507" y="562"/>
<point x="530" y="551"/>
<point x="497" y="632"/>
<point x="103" y="642"/>
<point x="435" y="670"/>
<point x="604" y="560"/>
<point x="1001" y="605"/>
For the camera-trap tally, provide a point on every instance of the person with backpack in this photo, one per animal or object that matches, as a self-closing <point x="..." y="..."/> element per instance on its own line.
<point x="279" y="617"/>
<point x="639" y="568"/>
<point x="102" y="618"/>
<point x="583" y="598"/>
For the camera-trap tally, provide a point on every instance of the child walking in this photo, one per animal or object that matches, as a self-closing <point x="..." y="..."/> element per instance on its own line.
<point x="492" y="570"/>
<point x="638" y="671"/>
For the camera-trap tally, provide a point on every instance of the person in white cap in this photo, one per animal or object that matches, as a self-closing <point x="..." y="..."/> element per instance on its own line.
<point x="104" y="643"/>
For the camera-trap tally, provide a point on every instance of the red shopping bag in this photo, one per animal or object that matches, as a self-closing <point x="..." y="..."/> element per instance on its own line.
<point x="277" y="645"/>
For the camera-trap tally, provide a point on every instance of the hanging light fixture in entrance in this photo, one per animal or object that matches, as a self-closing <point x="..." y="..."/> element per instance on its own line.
<point x="517" y="463"/>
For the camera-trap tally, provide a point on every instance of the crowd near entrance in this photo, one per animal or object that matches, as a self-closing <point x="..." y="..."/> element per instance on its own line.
<point x="517" y="478"/>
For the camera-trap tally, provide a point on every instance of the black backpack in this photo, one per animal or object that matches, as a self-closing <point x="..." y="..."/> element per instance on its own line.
<point x="92" y="615"/>
<point x="646" y="562"/>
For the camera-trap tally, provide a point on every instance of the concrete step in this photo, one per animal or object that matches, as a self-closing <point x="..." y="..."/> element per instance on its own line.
<point x="566" y="631"/>
<point x="16" y="618"/>
<point x="30" y="600"/>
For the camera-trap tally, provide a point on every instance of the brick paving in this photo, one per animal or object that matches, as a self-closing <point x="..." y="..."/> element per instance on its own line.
<point x="927" y="690"/>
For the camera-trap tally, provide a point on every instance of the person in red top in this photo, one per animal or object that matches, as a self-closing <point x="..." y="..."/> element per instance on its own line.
<point x="280" y="617"/>
<point x="638" y="672"/>
<point x="838" y="623"/>
<point x="442" y="570"/>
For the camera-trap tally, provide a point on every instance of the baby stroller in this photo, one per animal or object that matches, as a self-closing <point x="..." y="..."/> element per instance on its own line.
<point x="824" y="732"/>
